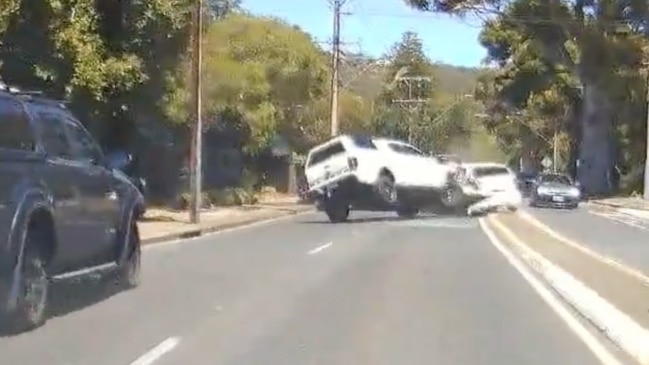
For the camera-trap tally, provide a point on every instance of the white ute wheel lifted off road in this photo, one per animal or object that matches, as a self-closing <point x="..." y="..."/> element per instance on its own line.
<point x="376" y="174"/>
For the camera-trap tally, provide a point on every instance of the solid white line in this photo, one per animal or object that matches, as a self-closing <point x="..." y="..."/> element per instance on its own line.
<point x="163" y="244"/>
<point x="157" y="352"/>
<point x="604" y="356"/>
<point x="635" y="273"/>
<point x="320" y="248"/>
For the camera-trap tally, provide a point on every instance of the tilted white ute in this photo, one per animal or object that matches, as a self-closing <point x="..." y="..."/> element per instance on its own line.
<point x="366" y="173"/>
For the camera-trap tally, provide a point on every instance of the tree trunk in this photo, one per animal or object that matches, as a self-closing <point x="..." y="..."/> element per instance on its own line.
<point x="595" y="151"/>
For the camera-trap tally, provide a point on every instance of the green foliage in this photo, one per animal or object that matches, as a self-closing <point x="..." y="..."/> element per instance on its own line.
<point x="126" y="68"/>
<point x="437" y="121"/>
<point x="576" y="67"/>
<point x="262" y="71"/>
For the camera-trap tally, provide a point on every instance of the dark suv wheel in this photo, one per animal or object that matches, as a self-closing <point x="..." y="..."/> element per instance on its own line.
<point x="32" y="303"/>
<point x="129" y="269"/>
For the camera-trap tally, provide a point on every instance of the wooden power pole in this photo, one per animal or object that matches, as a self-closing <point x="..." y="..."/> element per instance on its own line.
<point x="335" y="65"/>
<point x="195" y="163"/>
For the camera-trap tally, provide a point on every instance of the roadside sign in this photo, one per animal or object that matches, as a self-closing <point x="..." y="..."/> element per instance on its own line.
<point x="546" y="162"/>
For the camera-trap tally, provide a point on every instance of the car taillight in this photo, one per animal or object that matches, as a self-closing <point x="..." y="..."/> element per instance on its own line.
<point x="352" y="163"/>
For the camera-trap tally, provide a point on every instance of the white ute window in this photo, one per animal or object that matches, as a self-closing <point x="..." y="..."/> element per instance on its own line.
<point x="325" y="153"/>
<point x="490" y="171"/>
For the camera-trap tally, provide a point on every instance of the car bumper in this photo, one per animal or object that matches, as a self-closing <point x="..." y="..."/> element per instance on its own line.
<point x="551" y="201"/>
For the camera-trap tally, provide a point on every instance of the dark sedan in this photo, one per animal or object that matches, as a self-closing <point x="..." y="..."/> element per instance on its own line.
<point x="555" y="190"/>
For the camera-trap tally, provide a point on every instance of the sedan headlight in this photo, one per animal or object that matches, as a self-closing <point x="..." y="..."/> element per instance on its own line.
<point x="542" y="190"/>
<point x="574" y="192"/>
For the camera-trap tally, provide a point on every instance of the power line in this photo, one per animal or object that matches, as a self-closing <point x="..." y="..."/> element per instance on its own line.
<point x="416" y="87"/>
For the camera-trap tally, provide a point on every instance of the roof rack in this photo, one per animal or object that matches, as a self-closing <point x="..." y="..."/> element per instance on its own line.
<point x="38" y="96"/>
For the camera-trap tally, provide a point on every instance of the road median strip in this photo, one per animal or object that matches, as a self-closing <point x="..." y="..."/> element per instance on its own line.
<point x="153" y="232"/>
<point x="613" y="301"/>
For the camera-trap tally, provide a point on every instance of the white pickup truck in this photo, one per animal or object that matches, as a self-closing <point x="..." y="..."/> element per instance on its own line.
<point x="366" y="173"/>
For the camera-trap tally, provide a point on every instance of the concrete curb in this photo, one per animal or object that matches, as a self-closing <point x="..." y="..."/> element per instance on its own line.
<point x="197" y="232"/>
<point x="616" y="325"/>
<point x="613" y="205"/>
<point x="605" y="204"/>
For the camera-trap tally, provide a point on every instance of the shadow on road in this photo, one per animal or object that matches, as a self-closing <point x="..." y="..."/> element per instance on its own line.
<point x="424" y="215"/>
<point x="74" y="295"/>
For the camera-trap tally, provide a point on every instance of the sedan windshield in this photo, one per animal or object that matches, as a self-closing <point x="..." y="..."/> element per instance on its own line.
<point x="555" y="178"/>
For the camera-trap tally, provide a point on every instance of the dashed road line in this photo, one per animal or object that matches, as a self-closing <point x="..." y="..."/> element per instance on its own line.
<point x="320" y="248"/>
<point x="157" y="352"/>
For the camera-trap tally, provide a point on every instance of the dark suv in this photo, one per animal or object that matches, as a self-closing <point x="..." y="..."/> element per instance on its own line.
<point x="65" y="209"/>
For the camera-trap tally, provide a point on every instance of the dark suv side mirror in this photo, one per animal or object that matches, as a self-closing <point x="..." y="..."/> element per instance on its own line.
<point x="119" y="160"/>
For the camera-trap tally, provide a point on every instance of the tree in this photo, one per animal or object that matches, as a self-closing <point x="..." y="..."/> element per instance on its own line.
<point x="266" y="74"/>
<point x="411" y="108"/>
<point x="598" y="44"/>
<point x="406" y="59"/>
<point x="105" y="57"/>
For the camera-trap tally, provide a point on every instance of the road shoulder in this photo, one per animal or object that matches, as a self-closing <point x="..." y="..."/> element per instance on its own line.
<point x="165" y="226"/>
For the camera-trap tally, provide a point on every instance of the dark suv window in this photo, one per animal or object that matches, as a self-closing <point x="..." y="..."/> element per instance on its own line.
<point x="53" y="137"/>
<point x="85" y="148"/>
<point x="15" y="132"/>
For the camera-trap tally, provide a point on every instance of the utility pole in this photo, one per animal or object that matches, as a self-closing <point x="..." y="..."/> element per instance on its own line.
<point x="335" y="65"/>
<point x="414" y="86"/>
<point x="555" y="148"/>
<point x="646" y="159"/>
<point x="195" y="163"/>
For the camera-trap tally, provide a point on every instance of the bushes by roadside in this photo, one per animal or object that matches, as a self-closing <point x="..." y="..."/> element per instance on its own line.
<point x="226" y="197"/>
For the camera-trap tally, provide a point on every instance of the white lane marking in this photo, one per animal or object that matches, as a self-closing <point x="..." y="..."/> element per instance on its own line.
<point x="634" y="273"/>
<point x="157" y="352"/>
<point x="613" y="323"/>
<point x="164" y="244"/>
<point x="320" y="248"/>
<point x="604" y="356"/>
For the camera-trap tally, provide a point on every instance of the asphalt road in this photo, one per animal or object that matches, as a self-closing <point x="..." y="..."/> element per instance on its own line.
<point x="606" y="232"/>
<point x="301" y="291"/>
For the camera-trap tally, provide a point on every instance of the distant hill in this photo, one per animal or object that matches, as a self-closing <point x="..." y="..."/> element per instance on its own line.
<point x="365" y="76"/>
<point x="456" y="80"/>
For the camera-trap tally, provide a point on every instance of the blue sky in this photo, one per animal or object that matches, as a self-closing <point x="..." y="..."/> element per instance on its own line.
<point x="374" y="25"/>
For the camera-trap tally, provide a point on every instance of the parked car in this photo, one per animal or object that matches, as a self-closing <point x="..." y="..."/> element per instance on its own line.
<point x="367" y="173"/>
<point x="65" y="209"/>
<point x="555" y="190"/>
